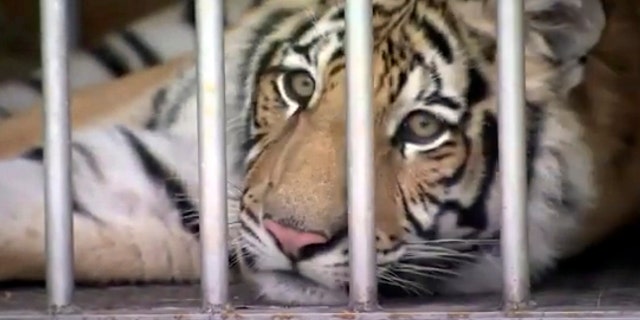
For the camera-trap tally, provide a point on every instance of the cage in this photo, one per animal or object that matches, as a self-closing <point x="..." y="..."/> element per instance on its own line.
<point x="607" y="297"/>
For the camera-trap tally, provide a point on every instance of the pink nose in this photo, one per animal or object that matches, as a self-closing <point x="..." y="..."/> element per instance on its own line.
<point x="292" y="240"/>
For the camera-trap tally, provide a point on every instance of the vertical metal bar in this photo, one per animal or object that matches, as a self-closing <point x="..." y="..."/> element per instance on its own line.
<point x="213" y="180"/>
<point x="362" y="255"/>
<point x="58" y="220"/>
<point x="512" y="152"/>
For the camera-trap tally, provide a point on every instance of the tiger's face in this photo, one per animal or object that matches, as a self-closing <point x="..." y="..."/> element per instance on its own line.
<point x="435" y="151"/>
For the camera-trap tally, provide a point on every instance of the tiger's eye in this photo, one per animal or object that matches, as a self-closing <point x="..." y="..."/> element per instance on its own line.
<point x="420" y="127"/>
<point x="299" y="86"/>
<point x="423" y="125"/>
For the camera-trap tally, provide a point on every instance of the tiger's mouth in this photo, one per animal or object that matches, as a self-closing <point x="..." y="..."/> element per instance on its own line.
<point x="288" y="285"/>
<point x="315" y="273"/>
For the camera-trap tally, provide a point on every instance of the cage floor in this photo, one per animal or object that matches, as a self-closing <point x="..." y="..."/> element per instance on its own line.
<point x="584" y="300"/>
<point x="603" y="283"/>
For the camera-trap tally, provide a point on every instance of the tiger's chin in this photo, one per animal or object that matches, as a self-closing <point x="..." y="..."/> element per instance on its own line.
<point x="292" y="289"/>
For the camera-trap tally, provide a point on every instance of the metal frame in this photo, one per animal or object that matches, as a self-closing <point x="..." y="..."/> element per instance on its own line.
<point x="215" y="289"/>
<point x="58" y="220"/>
<point x="360" y="180"/>
<point x="213" y="180"/>
<point x="514" y="244"/>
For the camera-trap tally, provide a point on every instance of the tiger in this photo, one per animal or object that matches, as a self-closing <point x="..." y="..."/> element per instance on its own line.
<point x="139" y="45"/>
<point x="437" y="186"/>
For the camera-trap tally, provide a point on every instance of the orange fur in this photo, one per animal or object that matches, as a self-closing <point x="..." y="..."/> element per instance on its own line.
<point x="608" y="102"/>
<point x="114" y="102"/>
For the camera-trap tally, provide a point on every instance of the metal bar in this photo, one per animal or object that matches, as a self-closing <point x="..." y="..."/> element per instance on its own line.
<point x="512" y="153"/>
<point x="362" y="255"/>
<point x="211" y="123"/>
<point x="58" y="220"/>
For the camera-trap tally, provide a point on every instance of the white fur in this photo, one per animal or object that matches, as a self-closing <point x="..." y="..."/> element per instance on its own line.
<point x="132" y="232"/>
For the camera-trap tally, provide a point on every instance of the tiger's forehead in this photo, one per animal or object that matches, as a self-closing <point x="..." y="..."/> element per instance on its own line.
<point x="318" y="40"/>
<point x="320" y="32"/>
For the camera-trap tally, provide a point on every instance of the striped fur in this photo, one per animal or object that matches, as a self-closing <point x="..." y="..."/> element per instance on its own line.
<point x="144" y="43"/>
<point x="437" y="196"/>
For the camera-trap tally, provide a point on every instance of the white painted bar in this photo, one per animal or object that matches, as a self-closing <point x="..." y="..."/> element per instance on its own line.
<point x="360" y="166"/>
<point x="513" y="153"/>
<point x="211" y="122"/>
<point x="58" y="216"/>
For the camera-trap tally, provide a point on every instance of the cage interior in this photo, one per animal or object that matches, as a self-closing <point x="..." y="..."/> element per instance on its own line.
<point x="603" y="279"/>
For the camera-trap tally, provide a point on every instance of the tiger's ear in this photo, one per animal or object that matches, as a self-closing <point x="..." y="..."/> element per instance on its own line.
<point x="567" y="29"/>
<point x="558" y="29"/>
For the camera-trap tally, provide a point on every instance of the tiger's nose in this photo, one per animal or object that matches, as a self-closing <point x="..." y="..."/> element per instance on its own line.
<point x="291" y="241"/>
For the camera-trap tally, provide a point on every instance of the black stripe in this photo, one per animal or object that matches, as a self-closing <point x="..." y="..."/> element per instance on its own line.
<point x="188" y="90"/>
<point x="34" y="82"/>
<point x="77" y="207"/>
<point x="159" y="99"/>
<point x="535" y="121"/>
<point x="478" y="88"/>
<point x="437" y="99"/>
<point x="438" y="39"/>
<point x="338" y="15"/>
<point x="89" y="158"/>
<point x="300" y="31"/>
<point x="426" y="197"/>
<point x="34" y="154"/>
<point x="225" y="17"/>
<point x="434" y="75"/>
<point x="383" y="10"/>
<point x="269" y="25"/>
<point x="142" y="49"/>
<point x="248" y="257"/>
<point x="390" y="15"/>
<point x="458" y="174"/>
<point x="80" y="209"/>
<point x="190" y="13"/>
<point x="4" y="113"/>
<point x="246" y="229"/>
<point x="417" y="226"/>
<point x="175" y="190"/>
<point x="476" y="215"/>
<point x="37" y="154"/>
<point x="110" y="59"/>
<point x="477" y="91"/>
<point x="262" y="65"/>
<point x="249" y="143"/>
